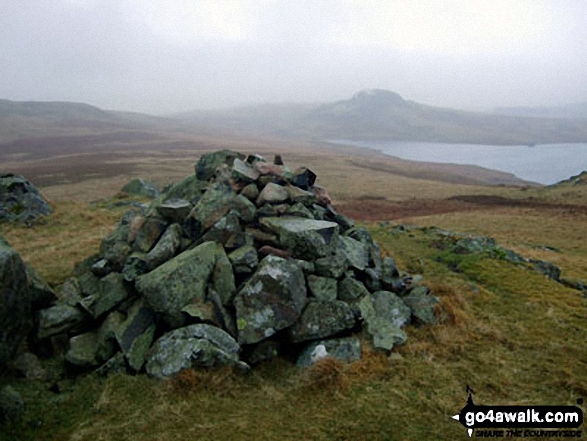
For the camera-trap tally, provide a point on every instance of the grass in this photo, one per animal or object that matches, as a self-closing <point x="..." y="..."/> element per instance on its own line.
<point x="513" y="335"/>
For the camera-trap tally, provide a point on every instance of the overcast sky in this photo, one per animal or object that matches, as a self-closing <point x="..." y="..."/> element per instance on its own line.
<point x="165" y="56"/>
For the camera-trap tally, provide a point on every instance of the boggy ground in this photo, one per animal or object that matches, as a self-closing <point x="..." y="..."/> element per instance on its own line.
<point x="513" y="335"/>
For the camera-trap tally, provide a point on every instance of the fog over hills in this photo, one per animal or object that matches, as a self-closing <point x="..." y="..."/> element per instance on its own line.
<point x="368" y="115"/>
<point x="383" y="115"/>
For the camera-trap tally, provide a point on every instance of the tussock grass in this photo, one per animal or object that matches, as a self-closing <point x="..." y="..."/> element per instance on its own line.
<point x="69" y="235"/>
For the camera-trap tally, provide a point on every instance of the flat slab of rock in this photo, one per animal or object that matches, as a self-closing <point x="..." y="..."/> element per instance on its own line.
<point x="385" y="313"/>
<point x="199" y="345"/>
<point x="322" y="319"/>
<point x="305" y="238"/>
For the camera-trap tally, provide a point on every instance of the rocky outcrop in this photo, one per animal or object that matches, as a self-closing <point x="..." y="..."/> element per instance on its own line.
<point x="20" y="200"/>
<point x="233" y="265"/>
<point x="140" y="187"/>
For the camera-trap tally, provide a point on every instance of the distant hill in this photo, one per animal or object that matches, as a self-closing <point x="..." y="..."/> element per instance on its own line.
<point x="577" y="110"/>
<point x="32" y="119"/>
<point x="384" y="115"/>
<point x="368" y="115"/>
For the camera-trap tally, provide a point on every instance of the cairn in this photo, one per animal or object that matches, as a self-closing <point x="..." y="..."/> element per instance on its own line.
<point x="235" y="264"/>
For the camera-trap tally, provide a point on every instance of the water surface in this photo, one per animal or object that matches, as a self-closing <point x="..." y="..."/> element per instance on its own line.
<point x="543" y="163"/>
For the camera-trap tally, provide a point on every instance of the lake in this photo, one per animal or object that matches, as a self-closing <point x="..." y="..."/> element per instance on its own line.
<point x="542" y="163"/>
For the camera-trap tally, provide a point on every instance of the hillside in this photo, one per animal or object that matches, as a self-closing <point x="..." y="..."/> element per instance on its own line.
<point x="32" y="119"/>
<point x="384" y="115"/>
<point x="576" y="110"/>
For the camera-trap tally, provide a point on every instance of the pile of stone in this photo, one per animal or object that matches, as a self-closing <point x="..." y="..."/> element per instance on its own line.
<point x="20" y="200"/>
<point x="235" y="264"/>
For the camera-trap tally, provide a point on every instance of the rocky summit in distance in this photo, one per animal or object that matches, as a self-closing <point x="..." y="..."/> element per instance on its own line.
<point x="20" y="200"/>
<point x="237" y="263"/>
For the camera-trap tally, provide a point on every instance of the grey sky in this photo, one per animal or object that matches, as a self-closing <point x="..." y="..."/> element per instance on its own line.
<point x="165" y="56"/>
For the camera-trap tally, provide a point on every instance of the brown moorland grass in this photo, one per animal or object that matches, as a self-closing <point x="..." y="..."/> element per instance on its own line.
<point x="513" y="335"/>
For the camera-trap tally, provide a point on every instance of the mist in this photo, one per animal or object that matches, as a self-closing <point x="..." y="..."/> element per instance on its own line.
<point x="162" y="58"/>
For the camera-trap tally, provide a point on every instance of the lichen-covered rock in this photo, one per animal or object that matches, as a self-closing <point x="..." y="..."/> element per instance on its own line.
<point x="347" y="349"/>
<point x="140" y="187"/>
<point x="322" y="288"/>
<point x="271" y="300"/>
<point x="135" y="334"/>
<point x="272" y="194"/>
<point x="175" y="284"/>
<point x="166" y="247"/>
<point x="244" y="260"/>
<point x="305" y="238"/>
<point x="208" y="163"/>
<point x="42" y="296"/>
<point x="15" y="302"/>
<point x="174" y="210"/>
<point x="60" y="319"/>
<point x="228" y="231"/>
<point x="20" y="200"/>
<point x="243" y="172"/>
<point x="91" y="349"/>
<point x="421" y="303"/>
<point x="148" y="233"/>
<point x="384" y="314"/>
<point x="110" y="293"/>
<point x="322" y="319"/>
<point x="354" y="252"/>
<point x="350" y="289"/>
<point x="199" y="345"/>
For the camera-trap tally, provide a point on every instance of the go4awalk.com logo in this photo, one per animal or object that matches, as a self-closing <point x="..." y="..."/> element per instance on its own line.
<point x="520" y="421"/>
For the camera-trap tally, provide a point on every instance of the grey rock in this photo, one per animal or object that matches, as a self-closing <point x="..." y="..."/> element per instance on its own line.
<point x="175" y="210"/>
<point x="199" y="345"/>
<point x="322" y="288"/>
<point x="181" y="280"/>
<point x="243" y="172"/>
<point x="141" y="187"/>
<point x="354" y="251"/>
<point x="189" y="188"/>
<point x="60" y="319"/>
<point x="273" y="194"/>
<point x="384" y="314"/>
<point x="244" y="260"/>
<point x="148" y="234"/>
<point x="15" y="303"/>
<point x="135" y="334"/>
<point x="271" y="300"/>
<point x="333" y="266"/>
<point x="421" y="303"/>
<point x="305" y="238"/>
<point x="166" y="247"/>
<point x="91" y="349"/>
<point x="135" y="266"/>
<point x="208" y="163"/>
<point x="299" y="196"/>
<point x="42" y="296"/>
<point x="110" y="293"/>
<point x="70" y="293"/>
<point x="304" y="178"/>
<point x="251" y="192"/>
<point x="350" y="289"/>
<point x="20" y="200"/>
<point x="299" y="210"/>
<point x="101" y="268"/>
<point x="227" y="231"/>
<point x="322" y="319"/>
<point x="347" y="349"/>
